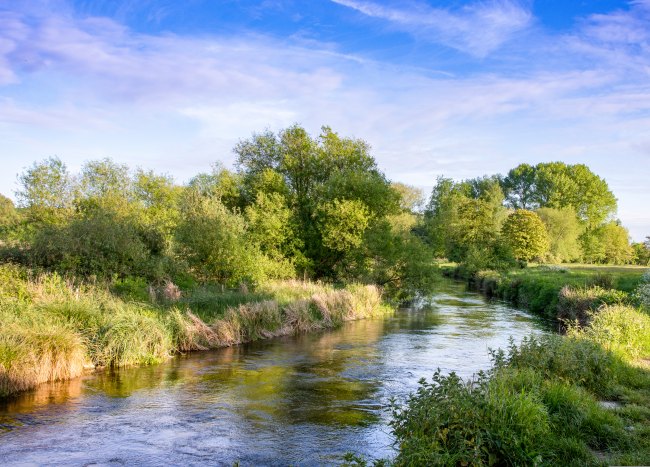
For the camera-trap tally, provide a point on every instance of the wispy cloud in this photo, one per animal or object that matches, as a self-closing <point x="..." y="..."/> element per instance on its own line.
<point x="478" y="28"/>
<point x="82" y="87"/>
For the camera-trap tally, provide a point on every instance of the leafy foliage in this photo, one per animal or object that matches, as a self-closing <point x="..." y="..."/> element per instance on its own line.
<point x="526" y="235"/>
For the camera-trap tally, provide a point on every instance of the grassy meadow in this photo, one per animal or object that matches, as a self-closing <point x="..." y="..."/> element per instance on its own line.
<point x="55" y="328"/>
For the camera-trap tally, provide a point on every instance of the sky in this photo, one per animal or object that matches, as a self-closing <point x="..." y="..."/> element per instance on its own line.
<point x="449" y="87"/>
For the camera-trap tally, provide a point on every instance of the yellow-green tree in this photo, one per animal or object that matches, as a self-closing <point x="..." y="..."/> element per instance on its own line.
<point x="525" y="234"/>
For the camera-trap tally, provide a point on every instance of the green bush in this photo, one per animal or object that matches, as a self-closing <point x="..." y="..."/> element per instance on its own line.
<point x="569" y="359"/>
<point x="622" y="330"/>
<point x="131" y="288"/>
<point x="580" y="304"/>
<point x="482" y="422"/>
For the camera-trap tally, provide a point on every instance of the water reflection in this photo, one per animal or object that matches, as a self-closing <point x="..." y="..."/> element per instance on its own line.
<point x="303" y="400"/>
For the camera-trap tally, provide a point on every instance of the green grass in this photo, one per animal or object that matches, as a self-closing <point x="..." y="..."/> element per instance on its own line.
<point x="51" y="327"/>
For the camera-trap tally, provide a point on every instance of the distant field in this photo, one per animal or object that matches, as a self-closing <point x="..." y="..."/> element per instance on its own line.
<point x="606" y="267"/>
<point x="624" y="278"/>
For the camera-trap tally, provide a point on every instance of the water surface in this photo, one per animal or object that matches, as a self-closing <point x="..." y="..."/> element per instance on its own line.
<point x="300" y="400"/>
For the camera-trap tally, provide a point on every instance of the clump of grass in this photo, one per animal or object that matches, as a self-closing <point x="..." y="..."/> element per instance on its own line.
<point x="211" y="301"/>
<point x="249" y="322"/>
<point x="288" y="291"/>
<point x="189" y="332"/>
<point x="134" y="336"/>
<point x="37" y="352"/>
<point x="328" y="308"/>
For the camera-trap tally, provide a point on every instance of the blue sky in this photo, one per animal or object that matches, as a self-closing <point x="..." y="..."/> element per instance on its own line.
<point x="454" y="88"/>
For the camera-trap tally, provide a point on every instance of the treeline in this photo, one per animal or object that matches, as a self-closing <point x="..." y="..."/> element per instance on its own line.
<point x="296" y="206"/>
<point x="551" y="212"/>
<point x="308" y="207"/>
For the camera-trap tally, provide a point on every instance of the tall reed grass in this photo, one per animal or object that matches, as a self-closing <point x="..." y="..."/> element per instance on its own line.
<point x="52" y="328"/>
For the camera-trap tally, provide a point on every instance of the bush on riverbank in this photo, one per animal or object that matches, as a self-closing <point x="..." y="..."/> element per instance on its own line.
<point x="539" y="405"/>
<point x="52" y="328"/>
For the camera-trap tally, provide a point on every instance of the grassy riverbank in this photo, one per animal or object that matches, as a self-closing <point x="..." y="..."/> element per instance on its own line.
<point x="53" y="328"/>
<point x="582" y="398"/>
<point x="556" y="292"/>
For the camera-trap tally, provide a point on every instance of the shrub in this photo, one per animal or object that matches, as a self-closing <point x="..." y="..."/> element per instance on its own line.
<point x="483" y="422"/>
<point x="131" y="288"/>
<point x="488" y="282"/>
<point x="603" y="280"/>
<point x="642" y="292"/>
<point x="579" y="304"/>
<point x="569" y="359"/>
<point x="619" y="329"/>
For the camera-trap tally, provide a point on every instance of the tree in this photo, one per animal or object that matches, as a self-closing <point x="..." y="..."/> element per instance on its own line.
<point x="642" y="252"/>
<point x="343" y="223"/>
<point x="46" y="191"/>
<point x="9" y="217"/>
<point x="155" y="209"/>
<point x="616" y="241"/>
<point x="411" y="199"/>
<point x="100" y="244"/>
<point x="464" y="216"/>
<point x="526" y="235"/>
<point x="331" y="185"/>
<point x="270" y="225"/>
<point x="105" y="185"/>
<point x="608" y="243"/>
<point x="220" y="183"/>
<point x="564" y="230"/>
<point x="558" y="185"/>
<point x="519" y="187"/>
<point x="213" y="241"/>
<point x="401" y="263"/>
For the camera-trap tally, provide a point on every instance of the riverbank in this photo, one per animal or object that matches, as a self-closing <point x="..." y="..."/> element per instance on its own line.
<point x="556" y="292"/>
<point x="53" y="328"/>
<point x="582" y="398"/>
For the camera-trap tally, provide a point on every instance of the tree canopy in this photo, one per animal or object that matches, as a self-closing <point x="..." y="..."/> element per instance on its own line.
<point x="525" y="234"/>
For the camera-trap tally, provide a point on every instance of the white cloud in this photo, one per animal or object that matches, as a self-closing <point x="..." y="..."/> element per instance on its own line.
<point x="478" y="28"/>
<point x="90" y="87"/>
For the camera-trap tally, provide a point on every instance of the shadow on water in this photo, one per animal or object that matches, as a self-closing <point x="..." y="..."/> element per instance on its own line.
<point x="301" y="399"/>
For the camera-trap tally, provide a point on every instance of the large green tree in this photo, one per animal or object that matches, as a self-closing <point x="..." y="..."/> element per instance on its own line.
<point x="330" y="184"/>
<point x="525" y="233"/>
<point x="558" y="185"/>
<point x="464" y="217"/>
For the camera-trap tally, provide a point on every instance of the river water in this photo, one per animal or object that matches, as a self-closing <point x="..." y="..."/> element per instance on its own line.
<point x="301" y="400"/>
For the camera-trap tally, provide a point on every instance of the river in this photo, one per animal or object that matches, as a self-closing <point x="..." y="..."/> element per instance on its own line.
<point x="299" y="400"/>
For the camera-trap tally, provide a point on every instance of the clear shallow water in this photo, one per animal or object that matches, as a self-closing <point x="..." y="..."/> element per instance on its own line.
<point x="299" y="400"/>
